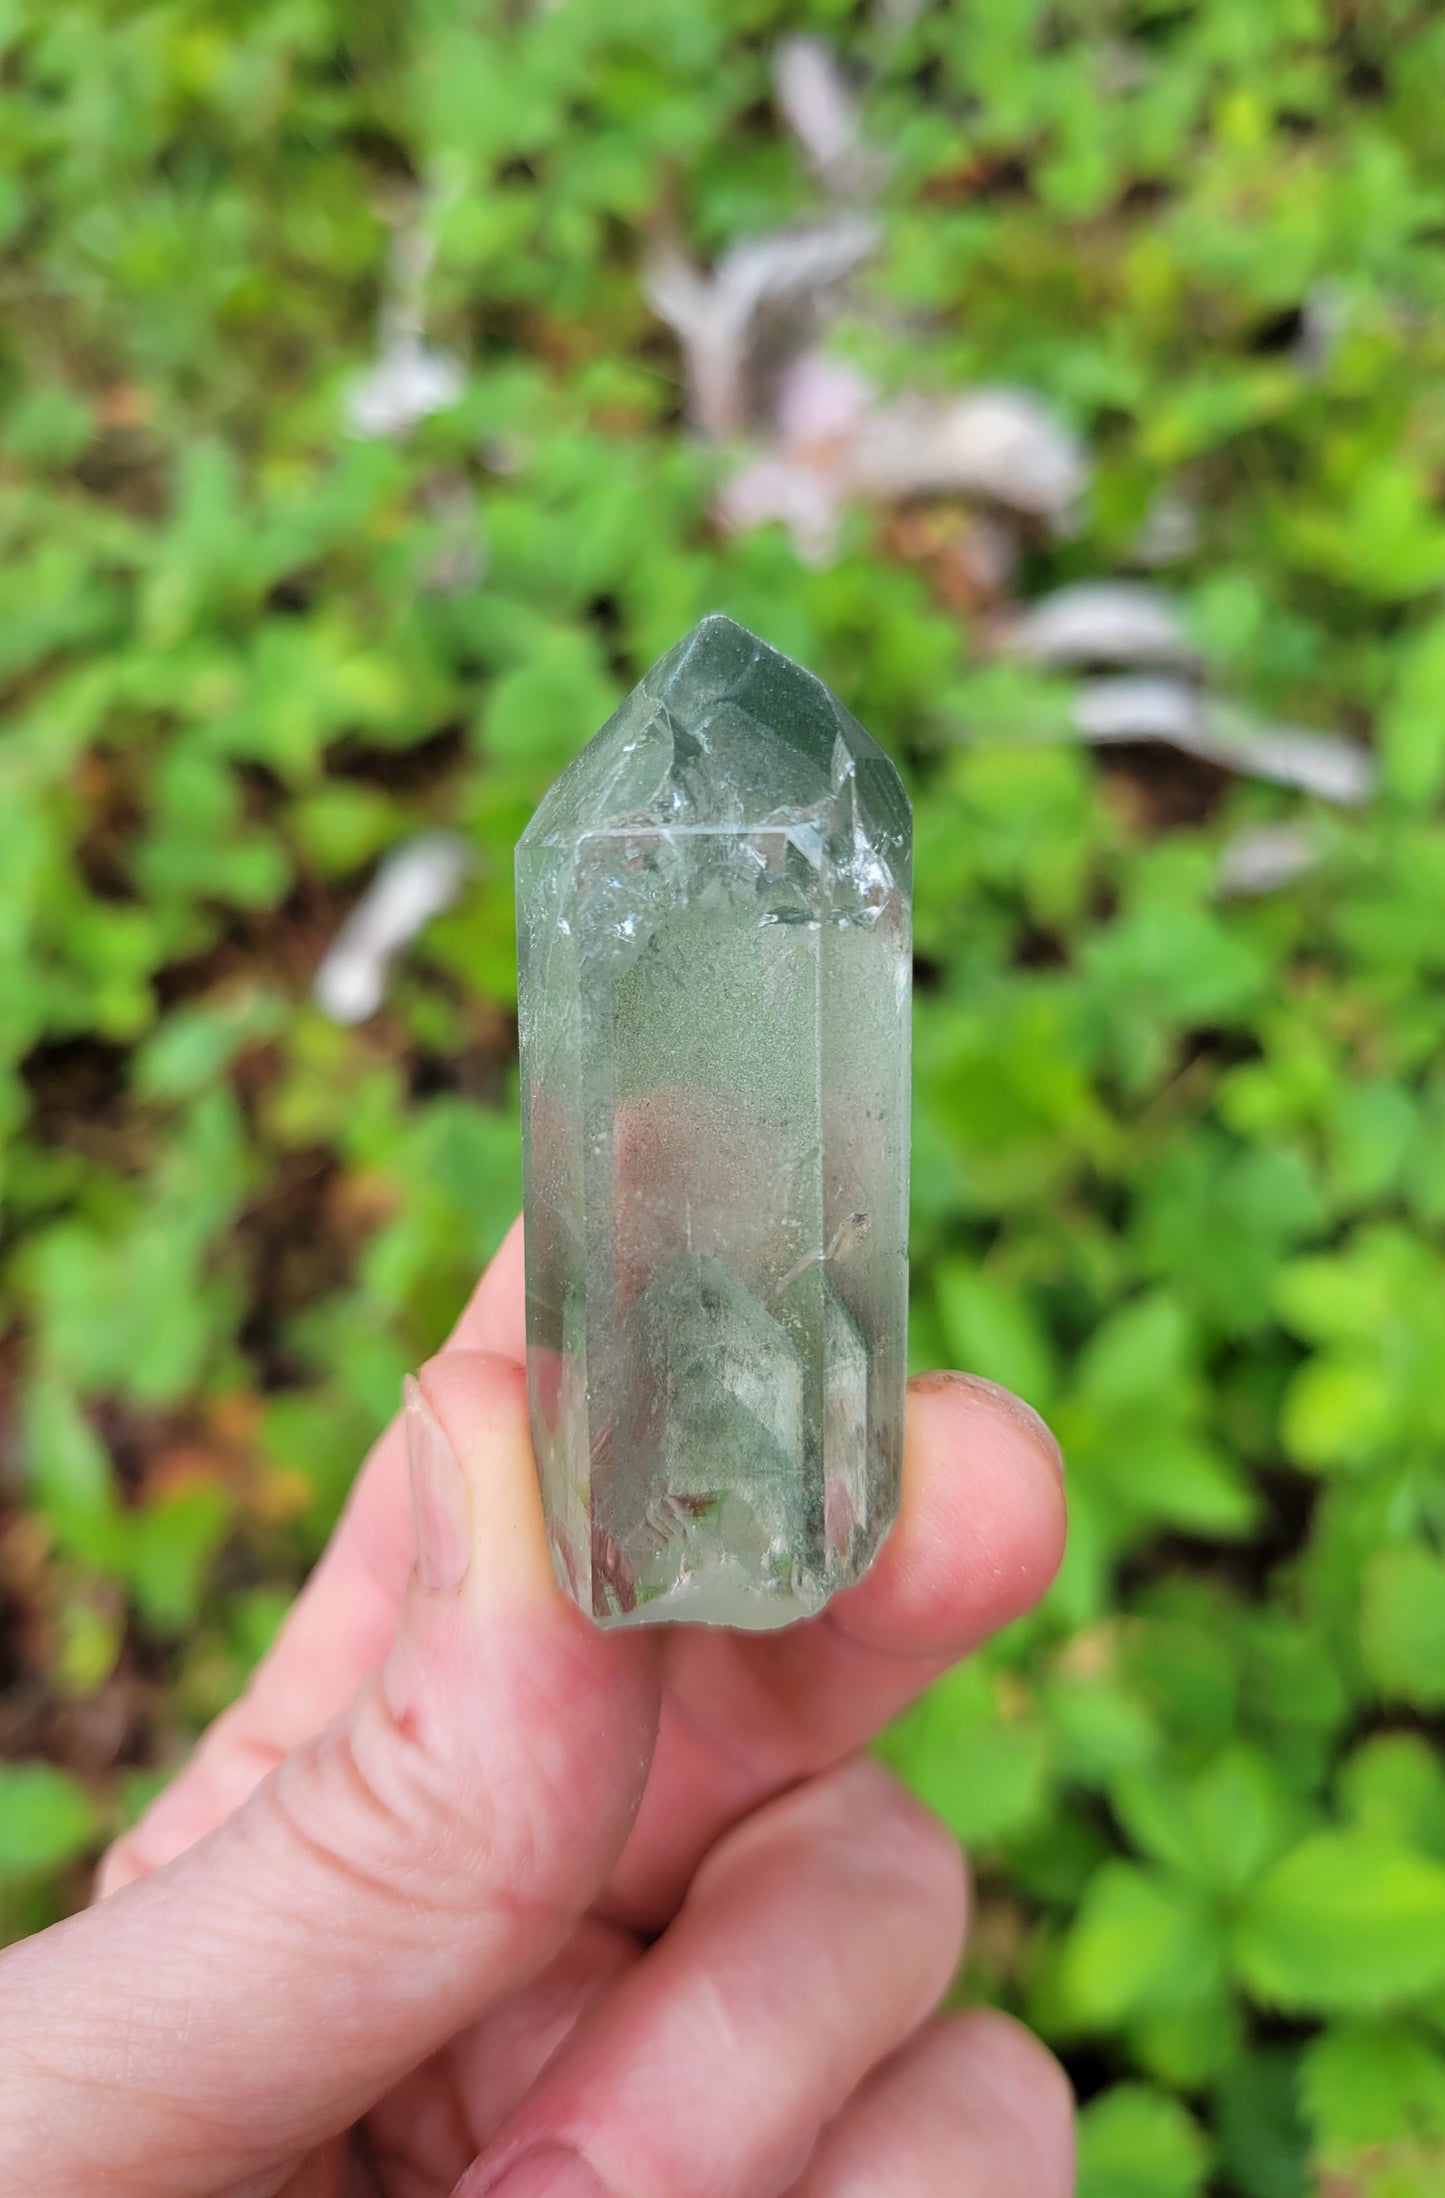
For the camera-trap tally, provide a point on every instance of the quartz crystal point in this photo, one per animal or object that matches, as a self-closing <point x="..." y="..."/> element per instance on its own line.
<point x="714" y="925"/>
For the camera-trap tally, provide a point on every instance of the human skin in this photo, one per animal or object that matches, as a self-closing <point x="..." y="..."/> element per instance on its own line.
<point x="467" y="1896"/>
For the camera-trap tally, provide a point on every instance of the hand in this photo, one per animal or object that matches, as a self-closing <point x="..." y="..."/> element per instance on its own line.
<point x="466" y="1894"/>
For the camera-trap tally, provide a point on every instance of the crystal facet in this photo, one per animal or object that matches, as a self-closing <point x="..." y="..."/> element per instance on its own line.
<point x="713" y="916"/>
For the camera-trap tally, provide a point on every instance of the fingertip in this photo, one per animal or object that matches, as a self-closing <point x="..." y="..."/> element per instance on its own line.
<point x="992" y="1397"/>
<point x="470" y="1384"/>
<point x="118" y="1867"/>
<point x="981" y="1527"/>
<point x="995" y="2059"/>
<point x="509" y="1607"/>
<point x="473" y="1404"/>
<point x="971" y="2102"/>
<point x="495" y="1316"/>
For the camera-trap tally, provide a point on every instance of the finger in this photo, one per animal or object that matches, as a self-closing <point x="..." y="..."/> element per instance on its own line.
<point x="432" y="2125"/>
<point x="387" y="1883"/>
<point x="337" y="1631"/>
<point x="813" y="1940"/>
<point x="978" y="1539"/>
<point x="973" y="2107"/>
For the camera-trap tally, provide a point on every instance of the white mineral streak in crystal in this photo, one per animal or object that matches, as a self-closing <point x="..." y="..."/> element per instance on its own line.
<point x="415" y="882"/>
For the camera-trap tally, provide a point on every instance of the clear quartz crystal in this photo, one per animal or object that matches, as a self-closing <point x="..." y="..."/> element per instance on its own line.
<point x="713" y="915"/>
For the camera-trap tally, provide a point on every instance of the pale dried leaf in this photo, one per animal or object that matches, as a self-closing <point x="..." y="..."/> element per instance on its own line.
<point x="410" y="379"/>
<point x="1336" y="770"/>
<point x="820" y="403"/>
<point x="836" y="443"/>
<point x="413" y="883"/>
<point x="1263" y="859"/>
<point x="1103" y="622"/>
<point x="804" y="498"/>
<point x="817" y="104"/>
<point x="1324" y="320"/>
<point x="457" y="560"/>
<point x="762" y="297"/>
<point x="802" y="481"/>
<point x="1170" y="532"/>
<point x="1003" y="444"/>
<point x="406" y="385"/>
<point x="1138" y="707"/>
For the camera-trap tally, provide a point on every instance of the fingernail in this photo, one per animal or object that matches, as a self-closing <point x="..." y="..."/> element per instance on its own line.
<point x="439" y="1504"/>
<point x="1013" y="1407"/>
<point x="551" y="2173"/>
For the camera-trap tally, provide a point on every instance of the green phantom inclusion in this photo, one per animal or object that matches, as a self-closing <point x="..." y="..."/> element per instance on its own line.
<point x="713" y="915"/>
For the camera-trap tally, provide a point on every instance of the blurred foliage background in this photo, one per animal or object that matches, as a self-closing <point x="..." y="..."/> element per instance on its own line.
<point x="1180" y="1150"/>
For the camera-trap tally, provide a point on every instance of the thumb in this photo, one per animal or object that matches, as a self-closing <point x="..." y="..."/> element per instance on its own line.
<point x="387" y="1883"/>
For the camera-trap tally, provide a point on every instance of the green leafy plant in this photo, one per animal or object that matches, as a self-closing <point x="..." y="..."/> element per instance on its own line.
<point x="1178" y="1155"/>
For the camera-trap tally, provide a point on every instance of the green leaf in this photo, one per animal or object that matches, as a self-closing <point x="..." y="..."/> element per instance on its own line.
<point x="318" y="1436"/>
<point x="1344" y="1921"/>
<point x="985" y="1775"/>
<point x="1412" y="730"/>
<point x="49" y="427"/>
<point x="137" y="1308"/>
<point x="991" y="1329"/>
<point x="1186" y="2045"/>
<point x="46" y="1820"/>
<point x="1141" y="1352"/>
<point x="1371" y="1127"/>
<point x="172" y="1544"/>
<point x="1217" y="1829"/>
<point x="195" y="1046"/>
<point x="1098" y="1726"/>
<point x="1337" y="1411"/>
<point x="1240" y="1815"/>
<point x="1263" y="2142"/>
<point x="91" y="1630"/>
<point x="1139" y="1942"/>
<point x="69" y="1474"/>
<point x="537" y="711"/>
<point x="341" y="825"/>
<point x="1371" y="2083"/>
<point x="1138" y="2143"/>
<point x="1393" y="1787"/>
<point x="1402" y="1624"/>
<point x="1214" y="1222"/>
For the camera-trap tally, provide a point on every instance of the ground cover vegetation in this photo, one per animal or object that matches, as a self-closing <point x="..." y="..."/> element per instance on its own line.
<point x="1180" y="1149"/>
